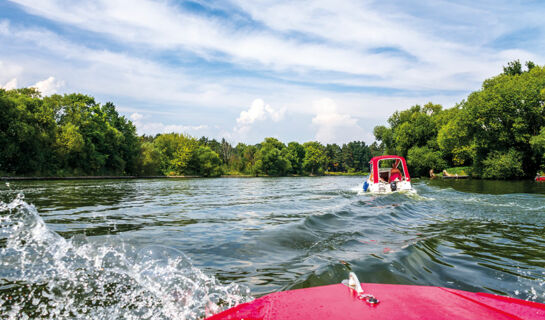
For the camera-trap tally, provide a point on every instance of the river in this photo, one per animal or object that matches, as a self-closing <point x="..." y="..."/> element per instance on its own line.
<point x="185" y="248"/>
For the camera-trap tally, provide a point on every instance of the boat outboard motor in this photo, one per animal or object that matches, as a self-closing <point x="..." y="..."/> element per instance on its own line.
<point x="393" y="186"/>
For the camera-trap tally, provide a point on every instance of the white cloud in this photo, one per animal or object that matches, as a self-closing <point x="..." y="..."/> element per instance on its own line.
<point x="159" y="127"/>
<point x="11" y="84"/>
<point x="346" y="35"/>
<point x="152" y="128"/>
<point x="136" y="116"/>
<point x="258" y="111"/>
<point x="48" y="86"/>
<point x="109" y="73"/>
<point x="117" y="75"/>
<point x="332" y="125"/>
<point x="9" y="72"/>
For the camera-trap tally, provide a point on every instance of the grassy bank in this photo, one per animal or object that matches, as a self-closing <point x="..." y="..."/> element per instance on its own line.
<point x="227" y="175"/>
<point x="359" y="173"/>
<point x="91" y="177"/>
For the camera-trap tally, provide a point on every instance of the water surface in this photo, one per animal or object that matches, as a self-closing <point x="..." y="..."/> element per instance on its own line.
<point x="184" y="248"/>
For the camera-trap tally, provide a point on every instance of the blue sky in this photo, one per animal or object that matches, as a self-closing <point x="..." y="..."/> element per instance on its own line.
<point x="245" y="70"/>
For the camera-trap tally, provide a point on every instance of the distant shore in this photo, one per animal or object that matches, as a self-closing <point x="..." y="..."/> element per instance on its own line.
<point x="93" y="177"/>
<point x="8" y="178"/>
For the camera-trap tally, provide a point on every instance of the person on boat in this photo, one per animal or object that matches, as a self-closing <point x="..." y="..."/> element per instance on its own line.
<point x="395" y="173"/>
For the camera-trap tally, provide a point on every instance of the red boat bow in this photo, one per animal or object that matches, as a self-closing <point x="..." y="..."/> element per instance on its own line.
<point x="396" y="302"/>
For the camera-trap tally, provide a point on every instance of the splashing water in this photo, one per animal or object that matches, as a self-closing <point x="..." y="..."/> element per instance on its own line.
<point x="44" y="276"/>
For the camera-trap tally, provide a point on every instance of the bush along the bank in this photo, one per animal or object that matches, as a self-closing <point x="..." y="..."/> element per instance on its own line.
<point x="498" y="131"/>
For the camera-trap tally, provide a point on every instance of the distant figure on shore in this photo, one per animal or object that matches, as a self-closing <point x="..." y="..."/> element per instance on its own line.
<point x="432" y="174"/>
<point x="445" y="173"/>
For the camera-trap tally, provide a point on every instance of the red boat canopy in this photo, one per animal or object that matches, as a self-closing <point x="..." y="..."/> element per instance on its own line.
<point x="374" y="165"/>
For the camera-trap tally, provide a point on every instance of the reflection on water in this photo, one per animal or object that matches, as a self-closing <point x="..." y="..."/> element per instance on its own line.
<point x="104" y="249"/>
<point x="490" y="186"/>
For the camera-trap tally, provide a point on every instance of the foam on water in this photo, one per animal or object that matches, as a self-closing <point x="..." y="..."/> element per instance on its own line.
<point x="358" y="188"/>
<point x="43" y="275"/>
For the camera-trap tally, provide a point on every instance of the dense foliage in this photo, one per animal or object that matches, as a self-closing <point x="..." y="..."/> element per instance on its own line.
<point x="74" y="135"/>
<point x="70" y="134"/>
<point x="274" y="158"/>
<point x="499" y="130"/>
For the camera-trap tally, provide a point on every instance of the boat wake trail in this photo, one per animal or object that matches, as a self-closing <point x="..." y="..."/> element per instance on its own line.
<point x="435" y="237"/>
<point x="43" y="275"/>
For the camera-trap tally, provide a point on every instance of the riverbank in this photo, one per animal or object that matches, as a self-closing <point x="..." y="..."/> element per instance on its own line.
<point x="7" y="178"/>
<point x="93" y="177"/>
<point x="326" y="174"/>
<point x="346" y="173"/>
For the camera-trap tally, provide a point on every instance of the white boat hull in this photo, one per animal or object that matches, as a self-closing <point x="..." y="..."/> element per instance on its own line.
<point x="383" y="187"/>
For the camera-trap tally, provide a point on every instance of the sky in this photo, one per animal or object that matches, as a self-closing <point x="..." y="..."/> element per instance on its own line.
<point x="244" y="70"/>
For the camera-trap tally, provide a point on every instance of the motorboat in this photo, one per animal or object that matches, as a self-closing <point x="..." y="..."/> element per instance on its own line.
<point x="388" y="173"/>
<point x="348" y="300"/>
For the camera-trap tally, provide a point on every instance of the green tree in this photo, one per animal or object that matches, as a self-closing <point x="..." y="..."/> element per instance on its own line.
<point x="206" y="162"/>
<point x="356" y="156"/>
<point x="505" y="114"/>
<point x="213" y="144"/>
<point x="249" y="158"/>
<point x="385" y="136"/>
<point x="295" y="154"/>
<point x="270" y="159"/>
<point x="69" y="139"/>
<point x="503" y="165"/>
<point x="417" y="126"/>
<point x="150" y="159"/>
<point x="334" y="158"/>
<point x="422" y="159"/>
<point x="538" y="146"/>
<point x="455" y="140"/>
<point x="27" y="129"/>
<point x="125" y="145"/>
<point x="315" y="159"/>
<point x="376" y="149"/>
<point x="68" y="134"/>
<point x="176" y="151"/>
<point x="227" y="151"/>
<point x="513" y="68"/>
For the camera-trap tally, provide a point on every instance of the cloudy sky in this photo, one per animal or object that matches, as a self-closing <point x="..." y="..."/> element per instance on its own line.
<point x="245" y="70"/>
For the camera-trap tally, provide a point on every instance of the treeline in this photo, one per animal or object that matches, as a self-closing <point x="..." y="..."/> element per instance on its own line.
<point x="498" y="132"/>
<point x="73" y="135"/>
<point x="173" y="154"/>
